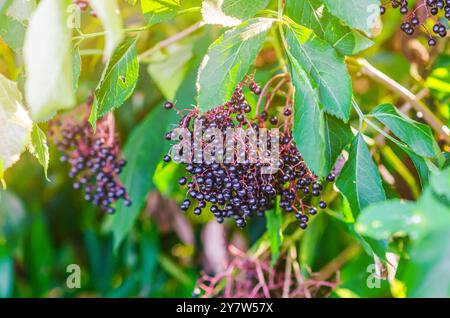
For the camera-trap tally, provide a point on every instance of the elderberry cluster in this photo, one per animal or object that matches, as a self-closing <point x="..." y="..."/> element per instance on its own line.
<point x="95" y="161"/>
<point x="239" y="189"/>
<point x="412" y="21"/>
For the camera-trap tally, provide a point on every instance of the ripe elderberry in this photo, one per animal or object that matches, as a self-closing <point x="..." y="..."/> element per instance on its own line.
<point x="421" y="11"/>
<point x="95" y="158"/>
<point x="238" y="189"/>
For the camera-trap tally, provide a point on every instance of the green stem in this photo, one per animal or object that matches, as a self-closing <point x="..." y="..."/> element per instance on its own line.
<point x="360" y="113"/>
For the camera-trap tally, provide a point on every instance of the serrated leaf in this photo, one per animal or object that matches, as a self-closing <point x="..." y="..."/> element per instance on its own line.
<point x="230" y="12"/>
<point x="417" y="136"/>
<point x="309" y="125"/>
<point x="48" y="60"/>
<point x="143" y="151"/>
<point x="227" y="61"/>
<point x="328" y="70"/>
<point x="108" y="12"/>
<point x="76" y="66"/>
<point x="359" y="14"/>
<point x="168" y="71"/>
<point x="314" y="14"/>
<point x="38" y="147"/>
<point x="118" y="80"/>
<point x="16" y="125"/>
<point x="337" y="136"/>
<point x="359" y="181"/>
<point x="156" y="11"/>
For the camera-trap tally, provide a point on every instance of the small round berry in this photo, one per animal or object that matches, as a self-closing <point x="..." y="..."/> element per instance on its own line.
<point x="322" y="204"/>
<point x="182" y="181"/>
<point x="273" y="120"/>
<point x="168" y="105"/>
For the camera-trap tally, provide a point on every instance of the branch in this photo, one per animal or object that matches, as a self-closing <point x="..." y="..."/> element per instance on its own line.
<point x="369" y="70"/>
<point x="168" y="41"/>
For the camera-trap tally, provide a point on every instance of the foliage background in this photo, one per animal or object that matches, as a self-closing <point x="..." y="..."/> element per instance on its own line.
<point x="152" y="250"/>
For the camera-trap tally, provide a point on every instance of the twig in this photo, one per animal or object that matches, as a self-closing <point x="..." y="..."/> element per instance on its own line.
<point x="372" y="72"/>
<point x="168" y="41"/>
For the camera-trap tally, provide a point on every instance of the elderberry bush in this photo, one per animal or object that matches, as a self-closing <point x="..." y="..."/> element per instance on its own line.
<point x="240" y="189"/>
<point x="95" y="159"/>
<point x="422" y="11"/>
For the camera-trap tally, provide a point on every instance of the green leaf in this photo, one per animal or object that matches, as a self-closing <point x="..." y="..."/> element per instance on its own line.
<point x="143" y="151"/>
<point x="118" y="80"/>
<point x="441" y="184"/>
<point x="426" y="222"/>
<point x="39" y="257"/>
<point x="314" y="15"/>
<point x="12" y="32"/>
<point x="337" y="136"/>
<point x="273" y="222"/>
<point x="327" y="68"/>
<point x="423" y="165"/>
<point x="396" y="217"/>
<point x="371" y="246"/>
<point x="359" y="14"/>
<point x="108" y="12"/>
<point x="227" y="61"/>
<point x="149" y="248"/>
<point x="168" y="71"/>
<point x="426" y="272"/>
<point x="13" y="219"/>
<point x="76" y="66"/>
<point x="6" y="273"/>
<point x="48" y="60"/>
<point x="417" y="136"/>
<point x="230" y="12"/>
<point x="99" y="250"/>
<point x="309" y="125"/>
<point x="156" y="11"/>
<point x="21" y="10"/>
<point x="359" y="181"/>
<point x="16" y="125"/>
<point x="382" y="220"/>
<point x="38" y="148"/>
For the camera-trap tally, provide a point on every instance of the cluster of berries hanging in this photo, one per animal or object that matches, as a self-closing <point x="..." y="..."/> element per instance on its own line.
<point x="238" y="189"/>
<point x="95" y="158"/>
<point x="422" y="11"/>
